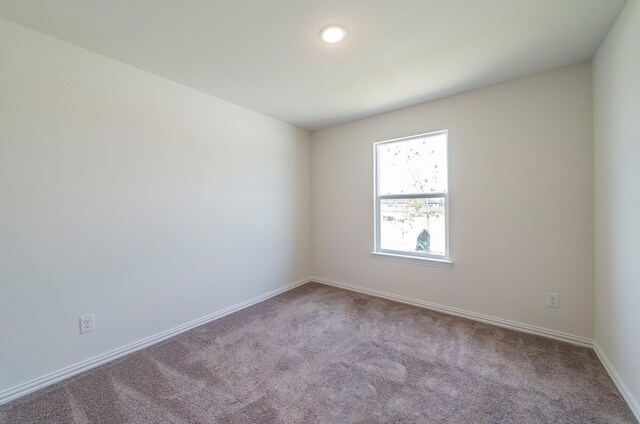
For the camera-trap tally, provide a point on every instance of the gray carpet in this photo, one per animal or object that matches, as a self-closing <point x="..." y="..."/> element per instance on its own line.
<point x="317" y="354"/>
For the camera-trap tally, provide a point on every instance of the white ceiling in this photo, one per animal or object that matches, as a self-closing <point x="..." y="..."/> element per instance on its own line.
<point x="266" y="55"/>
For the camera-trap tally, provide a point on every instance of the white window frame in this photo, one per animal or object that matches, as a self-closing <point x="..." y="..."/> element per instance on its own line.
<point x="403" y="256"/>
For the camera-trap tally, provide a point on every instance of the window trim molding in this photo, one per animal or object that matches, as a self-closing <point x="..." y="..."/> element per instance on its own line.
<point x="441" y="263"/>
<point x="421" y="258"/>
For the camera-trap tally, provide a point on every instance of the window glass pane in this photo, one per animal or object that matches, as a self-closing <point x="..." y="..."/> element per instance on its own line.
<point x="413" y="225"/>
<point x="413" y="166"/>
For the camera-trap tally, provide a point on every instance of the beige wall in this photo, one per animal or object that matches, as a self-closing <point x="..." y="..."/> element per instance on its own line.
<point x="123" y="194"/>
<point x="616" y="101"/>
<point x="521" y="201"/>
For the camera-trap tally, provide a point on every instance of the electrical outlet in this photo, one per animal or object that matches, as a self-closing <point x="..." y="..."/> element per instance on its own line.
<point x="87" y="323"/>
<point x="553" y="300"/>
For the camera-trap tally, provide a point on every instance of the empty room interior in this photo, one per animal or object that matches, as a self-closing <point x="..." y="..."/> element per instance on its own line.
<point x="319" y="211"/>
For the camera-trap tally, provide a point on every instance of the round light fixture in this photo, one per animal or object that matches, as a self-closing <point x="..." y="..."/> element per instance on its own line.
<point x="333" y="34"/>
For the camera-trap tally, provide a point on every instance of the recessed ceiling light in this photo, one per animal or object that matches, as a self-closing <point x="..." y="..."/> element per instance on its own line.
<point x="333" y="34"/>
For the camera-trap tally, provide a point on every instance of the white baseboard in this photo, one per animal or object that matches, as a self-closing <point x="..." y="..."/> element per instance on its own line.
<point x="42" y="382"/>
<point x="500" y="322"/>
<point x="617" y="380"/>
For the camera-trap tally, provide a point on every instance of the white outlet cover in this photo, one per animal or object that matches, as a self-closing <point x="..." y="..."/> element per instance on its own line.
<point x="553" y="300"/>
<point x="87" y="323"/>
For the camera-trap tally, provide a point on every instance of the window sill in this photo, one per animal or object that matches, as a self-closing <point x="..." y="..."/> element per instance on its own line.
<point x="441" y="263"/>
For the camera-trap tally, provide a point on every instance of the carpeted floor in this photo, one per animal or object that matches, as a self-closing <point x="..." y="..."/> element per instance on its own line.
<point x="318" y="354"/>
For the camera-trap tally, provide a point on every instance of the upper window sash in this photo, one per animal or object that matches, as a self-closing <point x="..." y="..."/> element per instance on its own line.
<point x="414" y="165"/>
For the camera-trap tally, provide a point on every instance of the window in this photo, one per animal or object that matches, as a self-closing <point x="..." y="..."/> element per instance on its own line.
<point x="411" y="197"/>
